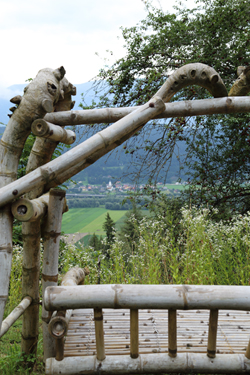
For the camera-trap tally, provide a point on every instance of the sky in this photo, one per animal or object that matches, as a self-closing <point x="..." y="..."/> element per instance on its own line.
<point x="51" y="33"/>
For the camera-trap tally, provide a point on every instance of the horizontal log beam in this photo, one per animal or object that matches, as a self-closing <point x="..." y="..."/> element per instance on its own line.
<point x="184" y="297"/>
<point x="14" y="315"/>
<point x="176" y="109"/>
<point x="159" y="363"/>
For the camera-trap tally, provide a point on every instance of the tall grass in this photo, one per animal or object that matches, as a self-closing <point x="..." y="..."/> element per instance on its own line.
<point x="203" y="252"/>
<point x="198" y="251"/>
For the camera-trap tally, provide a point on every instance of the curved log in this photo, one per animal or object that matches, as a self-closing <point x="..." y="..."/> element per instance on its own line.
<point x="193" y="74"/>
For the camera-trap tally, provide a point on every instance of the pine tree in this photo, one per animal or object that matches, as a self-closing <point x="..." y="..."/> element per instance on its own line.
<point x="109" y="228"/>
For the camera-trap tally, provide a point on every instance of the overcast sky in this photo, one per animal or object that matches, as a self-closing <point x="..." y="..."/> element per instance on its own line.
<point x="51" y="33"/>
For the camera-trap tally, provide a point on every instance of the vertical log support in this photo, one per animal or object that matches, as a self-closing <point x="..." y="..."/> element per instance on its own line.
<point x="59" y="347"/>
<point x="52" y="231"/>
<point x="172" y="333"/>
<point x="30" y="285"/>
<point x="134" y="333"/>
<point x="99" y="334"/>
<point x="212" y="333"/>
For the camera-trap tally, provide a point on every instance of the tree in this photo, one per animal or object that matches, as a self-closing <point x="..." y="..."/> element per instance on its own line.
<point x="156" y="47"/>
<point x="95" y="242"/>
<point x="129" y="233"/>
<point x="109" y="228"/>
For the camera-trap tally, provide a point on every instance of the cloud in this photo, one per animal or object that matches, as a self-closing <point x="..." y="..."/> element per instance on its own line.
<point x="35" y="35"/>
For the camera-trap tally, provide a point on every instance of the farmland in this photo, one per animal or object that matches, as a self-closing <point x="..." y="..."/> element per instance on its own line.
<point x="90" y="220"/>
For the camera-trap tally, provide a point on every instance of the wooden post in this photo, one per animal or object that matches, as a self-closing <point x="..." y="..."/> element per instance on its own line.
<point x="212" y="333"/>
<point x="134" y="333"/>
<point x="172" y="333"/>
<point x="99" y="334"/>
<point x="52" y="232"/>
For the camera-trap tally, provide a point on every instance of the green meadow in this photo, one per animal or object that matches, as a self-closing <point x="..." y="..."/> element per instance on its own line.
<point x="90" y="220"/>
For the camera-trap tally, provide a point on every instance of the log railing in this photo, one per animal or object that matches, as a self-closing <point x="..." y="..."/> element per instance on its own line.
<point x="169" y="297"/>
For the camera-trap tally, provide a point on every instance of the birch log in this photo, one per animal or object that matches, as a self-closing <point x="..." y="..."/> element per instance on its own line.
<point x="175" y="109"/>
<point x="41" y="153"/>
<point x="52" y="232"/>
<point x="38" y="99"/>
<point x="14" y="315"/>
<point x="159" y="363"/>
<point x="148" y="296"/>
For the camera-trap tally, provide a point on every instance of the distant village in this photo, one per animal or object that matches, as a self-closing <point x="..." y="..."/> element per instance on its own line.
<point x="120" y="188"/>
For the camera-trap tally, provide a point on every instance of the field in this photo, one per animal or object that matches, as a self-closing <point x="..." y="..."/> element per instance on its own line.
<point x="90" y="220"/>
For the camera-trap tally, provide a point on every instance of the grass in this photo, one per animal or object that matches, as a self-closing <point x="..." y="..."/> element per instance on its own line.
<point x="88" y="220"/>
<point x="11" y="360"/>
